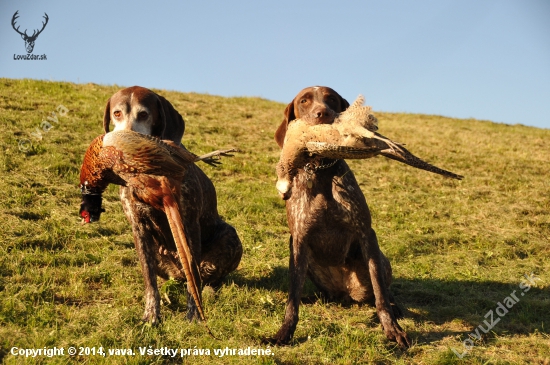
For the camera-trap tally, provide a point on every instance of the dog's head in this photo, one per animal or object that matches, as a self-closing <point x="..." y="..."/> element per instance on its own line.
<point x="313" y="105"/>
<point x="141" y="110"/>
<point x="319" y="104"/>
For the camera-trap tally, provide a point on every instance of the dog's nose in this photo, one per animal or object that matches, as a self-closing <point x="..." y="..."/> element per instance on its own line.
<point x="321" y="114"/>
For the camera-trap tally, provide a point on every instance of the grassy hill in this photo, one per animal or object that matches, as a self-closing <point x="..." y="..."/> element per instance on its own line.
<point x="457" y="248"/>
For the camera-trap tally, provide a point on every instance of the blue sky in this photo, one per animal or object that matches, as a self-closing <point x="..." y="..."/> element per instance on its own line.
<point x="487" y="60"/>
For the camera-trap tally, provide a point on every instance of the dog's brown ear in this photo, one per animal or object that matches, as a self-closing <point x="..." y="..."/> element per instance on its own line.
<point x="173" y="125"/>
<point x="107" y="116"/>
<point x="159" y="122"/>
<point x="344" y="103"/>
<point x="281" y="131"/>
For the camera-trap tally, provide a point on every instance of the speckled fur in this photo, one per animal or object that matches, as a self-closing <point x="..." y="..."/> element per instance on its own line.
<point x="337" y="268"/>
<point x="332" y="240"/>
<point x="212" y="241"/>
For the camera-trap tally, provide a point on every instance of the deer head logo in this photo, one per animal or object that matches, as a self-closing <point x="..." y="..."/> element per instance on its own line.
<point x="29" y="40"/>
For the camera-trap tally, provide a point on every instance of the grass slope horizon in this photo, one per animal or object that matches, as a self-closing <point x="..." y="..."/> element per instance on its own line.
<point x="457" y="248"/>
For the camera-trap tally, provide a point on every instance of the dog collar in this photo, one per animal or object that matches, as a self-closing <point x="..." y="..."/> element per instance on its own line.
<point x="311" y="168"/>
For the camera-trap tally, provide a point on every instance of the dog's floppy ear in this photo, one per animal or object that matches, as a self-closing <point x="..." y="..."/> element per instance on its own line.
<point x="281" y="131"/>
<point x="344" y="103"/>
<point x="107" y="116"/>
<point x="173" y="125"/>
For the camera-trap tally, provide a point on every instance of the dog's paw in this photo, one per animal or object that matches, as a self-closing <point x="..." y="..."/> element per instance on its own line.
<point x="149" y="317"/>
<point x="282" y="337"/>
<point x="403" y="340"/>
<point x="394" y="332"/>
<point x="274" y="341"/>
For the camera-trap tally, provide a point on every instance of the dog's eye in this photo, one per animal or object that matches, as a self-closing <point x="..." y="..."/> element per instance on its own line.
<point x="332" y="102"/>
<point x="143" y="115"/>
<point x="303" y="101"/>
<point x="117" y="114"/>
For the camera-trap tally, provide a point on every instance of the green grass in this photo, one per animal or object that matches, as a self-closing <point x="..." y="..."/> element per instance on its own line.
<point x="457" y="248"/>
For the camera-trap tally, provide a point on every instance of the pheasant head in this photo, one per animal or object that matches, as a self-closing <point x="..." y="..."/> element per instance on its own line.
<point x="92" y="182"/>
<point x="90" y="208"/>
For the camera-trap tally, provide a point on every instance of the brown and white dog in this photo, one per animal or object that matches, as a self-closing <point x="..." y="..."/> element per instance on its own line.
<point x="211" y="240"/>
<point x="331" y="238"/>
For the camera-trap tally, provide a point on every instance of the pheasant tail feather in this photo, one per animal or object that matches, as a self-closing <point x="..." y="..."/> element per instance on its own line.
<point x="171" y="206"/>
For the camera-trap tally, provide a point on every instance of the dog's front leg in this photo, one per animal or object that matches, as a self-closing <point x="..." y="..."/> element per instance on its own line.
<point x="152" y="297"/>
<point x="298" y="270"/>
<point x="144" y="243"/>
<point x="372" y="254"/>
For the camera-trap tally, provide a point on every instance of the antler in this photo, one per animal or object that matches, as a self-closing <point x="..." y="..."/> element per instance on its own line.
<point x="15" y="16"/>
<point x="34" y="35"/>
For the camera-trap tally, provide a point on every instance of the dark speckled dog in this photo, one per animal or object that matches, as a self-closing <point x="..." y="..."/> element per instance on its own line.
<point x="213" y="242"/>
<point x="331" y="238"/>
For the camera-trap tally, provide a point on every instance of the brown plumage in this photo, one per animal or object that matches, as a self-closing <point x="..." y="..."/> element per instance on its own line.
<point x="154" y="169"/>
<point x="352" y="135"/>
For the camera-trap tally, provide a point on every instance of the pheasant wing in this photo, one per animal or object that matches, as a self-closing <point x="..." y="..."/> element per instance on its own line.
<point x="376" y="147"/>
<point x="148" y="155"/>
<point x="334" y="151"/>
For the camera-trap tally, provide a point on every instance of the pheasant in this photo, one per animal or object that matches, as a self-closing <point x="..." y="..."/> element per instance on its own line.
<point x="353" y="134"/>
<point x="154" y="169"/>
